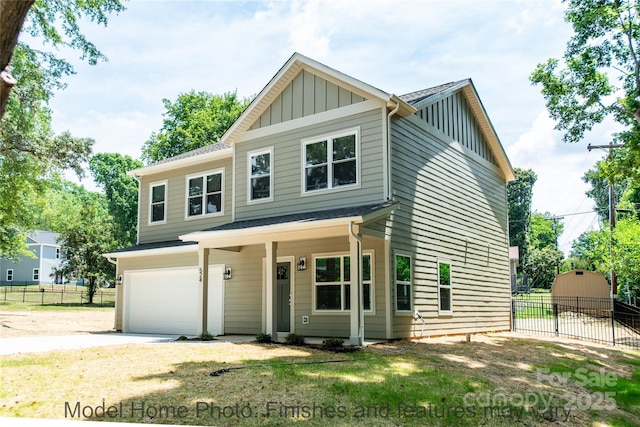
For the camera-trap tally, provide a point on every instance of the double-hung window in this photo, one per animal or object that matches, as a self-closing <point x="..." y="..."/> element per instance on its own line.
<point x="36" y="274"/>
<point x="10" y="275"/>
<point x="331" y="162"/>
<point x="204" y="194"/>
<point x="444" y="287"/>
<point x="158" y="202"/>
<point x="404" y="275"/>
<point x="332" y="282"/>
<point x="260" y="175"/>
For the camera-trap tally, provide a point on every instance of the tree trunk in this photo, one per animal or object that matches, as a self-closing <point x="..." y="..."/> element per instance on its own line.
<point x="12" y="14"/>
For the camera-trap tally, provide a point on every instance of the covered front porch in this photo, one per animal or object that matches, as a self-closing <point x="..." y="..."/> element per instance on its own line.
<point x="284" y="250"/>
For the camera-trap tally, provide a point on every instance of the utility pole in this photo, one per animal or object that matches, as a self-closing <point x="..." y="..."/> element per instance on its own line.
<point x="612" y="215"/>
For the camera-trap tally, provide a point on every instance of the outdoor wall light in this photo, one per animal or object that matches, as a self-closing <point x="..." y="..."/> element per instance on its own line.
<point x="302" y="263"/>
<point x="227" y="273"/>
<point x="119" y="278"/>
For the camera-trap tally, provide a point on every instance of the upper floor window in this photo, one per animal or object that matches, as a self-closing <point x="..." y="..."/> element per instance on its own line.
<point x="332" y="283"/>
<point x="36" y="274"/>
<point x="158" y="202"/>
<point x="204" y="194"/>
<point x="331" y="161"/>
<point x="57" y="253"/>
<point x="9" y="274"/>
<point x="404" y="275"/>
<point x="444" y="287"/>
<point x="260" y="175"/>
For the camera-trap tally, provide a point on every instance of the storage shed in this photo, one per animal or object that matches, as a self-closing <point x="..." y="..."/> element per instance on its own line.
<point x="580" y="283"/>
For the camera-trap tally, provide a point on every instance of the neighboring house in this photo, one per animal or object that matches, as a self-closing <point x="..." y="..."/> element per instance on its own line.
<point x="330" y="208"/>
<point x="39" y="270"/>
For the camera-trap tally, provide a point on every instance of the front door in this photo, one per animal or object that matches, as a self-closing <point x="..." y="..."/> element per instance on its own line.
<point x="284" y="296"/>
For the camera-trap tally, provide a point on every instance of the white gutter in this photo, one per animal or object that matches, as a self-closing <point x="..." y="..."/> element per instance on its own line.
<point x="388" y="142"/>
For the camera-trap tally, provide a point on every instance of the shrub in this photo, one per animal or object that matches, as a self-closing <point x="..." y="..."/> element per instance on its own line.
<point x="294" y="339"/>
<point x="333" y="343"/>
<point x="263" y="338"/>
<point x="181" y="338"/>
<point x="206" y="337"/>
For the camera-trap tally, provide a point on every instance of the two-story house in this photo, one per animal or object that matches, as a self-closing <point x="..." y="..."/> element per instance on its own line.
<point x="43" y="267"/>
<point x="330" y="208"/>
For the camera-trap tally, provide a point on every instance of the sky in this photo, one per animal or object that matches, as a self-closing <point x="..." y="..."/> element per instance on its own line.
<point x="159" y="49"/>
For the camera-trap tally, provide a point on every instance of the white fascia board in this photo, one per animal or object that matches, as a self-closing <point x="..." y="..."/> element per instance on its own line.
<point x="185" y="162"/>
<point x="268" y="230"/>
<point x="153" y="252"/>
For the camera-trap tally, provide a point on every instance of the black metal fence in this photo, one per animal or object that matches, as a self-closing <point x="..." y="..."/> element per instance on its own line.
<point x="593" y="319"/>
<point x="48" y="295"/>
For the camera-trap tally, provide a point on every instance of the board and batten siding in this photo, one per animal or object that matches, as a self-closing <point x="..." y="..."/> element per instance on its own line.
<point x="453" y="117"/>
<point x="452" y="208"/>
<point x="307" y="94"/>
<point x="288" y="173"/>
<point x="177" y="223"/>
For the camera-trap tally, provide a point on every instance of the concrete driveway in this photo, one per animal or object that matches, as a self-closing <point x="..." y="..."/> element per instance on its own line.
<point x="69" y="342"/>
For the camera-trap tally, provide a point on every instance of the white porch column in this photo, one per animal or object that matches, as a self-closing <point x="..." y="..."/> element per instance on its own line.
<point x="271" y="265"/>
<point x="203" y="265"/>
<point x="356" y="314"/>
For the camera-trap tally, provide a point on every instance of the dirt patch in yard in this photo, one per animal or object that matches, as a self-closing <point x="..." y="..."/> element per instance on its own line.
<point x="29" y="323"/>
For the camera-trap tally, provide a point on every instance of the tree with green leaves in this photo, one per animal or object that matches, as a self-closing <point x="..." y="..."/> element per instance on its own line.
<point x="519" y="195"/>
<point x="194" y="120"/>
<point x="109" y="170"/>
<point x="84" y="239"/>
<point x="598" y="77"/>
<point x="30" y="153"/>
<point x="543" y="258"/>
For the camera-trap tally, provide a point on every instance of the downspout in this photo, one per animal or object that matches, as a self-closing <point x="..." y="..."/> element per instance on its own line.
<point x="359" y="284"/>
<point x="391" y="113"/>
<point x="137" y="178"/>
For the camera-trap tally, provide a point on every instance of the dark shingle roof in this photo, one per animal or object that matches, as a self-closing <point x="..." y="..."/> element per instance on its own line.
<point x="155" y="245"/>
<point x="415" y="97"/>
<point x="218" y="146"/>
<point x="303" y="217"/>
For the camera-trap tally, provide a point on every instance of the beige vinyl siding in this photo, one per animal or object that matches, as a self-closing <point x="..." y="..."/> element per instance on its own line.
<point x="307" y="94"/>
<point x="287" y="169"/>
<point x="453" y="117"/>
<point x="176" y="221"/>
<point x="452" y="207"/>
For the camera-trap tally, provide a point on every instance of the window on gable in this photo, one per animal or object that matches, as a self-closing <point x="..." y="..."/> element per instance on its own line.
<point x="332" y="283"/>
<point x="260" y="179"/>
<point x="36" y="274"/>
<point x="158" y="202"/>
<point x="10" y="275"/>
<point x="204" y="194"/>
<point x="331" y="162"/>
<point x="404" y="274"/>
<point x="444" y="287"/>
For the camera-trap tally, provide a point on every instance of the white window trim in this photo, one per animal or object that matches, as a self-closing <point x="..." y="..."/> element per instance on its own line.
<point x="57" y="253"/>
<point x="328" y="137"/>
<point x="450" y="287"/>
<point x="396" y="282"/>
<point x="342" y="312"/>
<point x="203" y="175"/>
<point x="166" y="196"/>
<point x="36" y="271"/>
<point x="10" y="270"/>
<point x="254" y="153"/>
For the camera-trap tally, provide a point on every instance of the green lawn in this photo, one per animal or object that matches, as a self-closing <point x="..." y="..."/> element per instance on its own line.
<point x="491" y="381"/>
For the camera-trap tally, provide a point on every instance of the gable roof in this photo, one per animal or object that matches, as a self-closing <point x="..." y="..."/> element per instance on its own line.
<point x="43" y="237"/>
<point x="296" y="63"/>
<point x="422" y="98"/>
<point x="199" y="155"/>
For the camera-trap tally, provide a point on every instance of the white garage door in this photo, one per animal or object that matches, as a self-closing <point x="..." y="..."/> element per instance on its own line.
<point x="166" y="301"/>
